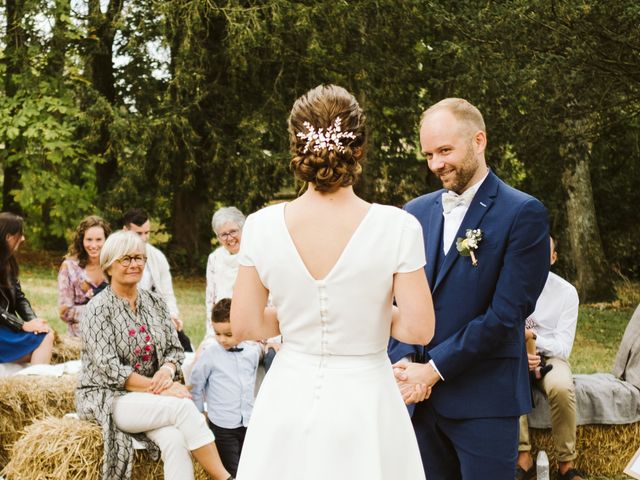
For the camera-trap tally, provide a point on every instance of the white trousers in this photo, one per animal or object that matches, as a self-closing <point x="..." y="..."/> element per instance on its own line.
<point x="174" y="424"/>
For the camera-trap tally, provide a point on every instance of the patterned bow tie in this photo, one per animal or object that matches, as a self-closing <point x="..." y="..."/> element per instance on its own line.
<point x="451" y="200"/>
<point x="234" y="349"/>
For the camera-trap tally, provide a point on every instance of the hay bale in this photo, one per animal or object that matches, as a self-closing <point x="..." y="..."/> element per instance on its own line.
<point x="70" y="449"/>
<point x="24" y="399"/>
<point x="65" y="348"/>
<point x="602" y="449"/>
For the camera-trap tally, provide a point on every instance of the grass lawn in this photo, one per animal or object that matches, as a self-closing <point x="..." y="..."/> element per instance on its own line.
<point x="600" y="327"/>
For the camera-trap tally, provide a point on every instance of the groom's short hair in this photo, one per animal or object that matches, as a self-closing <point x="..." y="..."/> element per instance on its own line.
<point x="461" y="109"/>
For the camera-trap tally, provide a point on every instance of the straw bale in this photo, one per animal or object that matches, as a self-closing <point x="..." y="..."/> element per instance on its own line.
<point x="65" y="348"/>
<point x="70" y="449"/>
<point x="25" y="398"/>
<point x="602" y="449"/>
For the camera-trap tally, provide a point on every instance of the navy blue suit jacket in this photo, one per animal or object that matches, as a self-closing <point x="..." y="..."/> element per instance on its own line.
<point x="478" y="345"/>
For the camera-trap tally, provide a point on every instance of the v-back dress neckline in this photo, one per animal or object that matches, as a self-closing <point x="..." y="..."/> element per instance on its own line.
<point x="345" y="249"/>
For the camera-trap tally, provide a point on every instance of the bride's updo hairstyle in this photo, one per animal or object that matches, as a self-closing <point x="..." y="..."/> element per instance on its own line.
<point x="327" y="134"/>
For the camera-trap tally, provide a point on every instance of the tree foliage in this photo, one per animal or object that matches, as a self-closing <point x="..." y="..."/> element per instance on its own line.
<point x="180" y="106"/>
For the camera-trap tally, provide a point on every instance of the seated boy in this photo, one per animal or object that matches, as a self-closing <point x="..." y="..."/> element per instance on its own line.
<point x="224" y="377"/>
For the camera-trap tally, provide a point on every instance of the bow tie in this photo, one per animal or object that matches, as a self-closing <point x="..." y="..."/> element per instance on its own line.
<point x="451" y="200"/>
<point x="234" y="349"/>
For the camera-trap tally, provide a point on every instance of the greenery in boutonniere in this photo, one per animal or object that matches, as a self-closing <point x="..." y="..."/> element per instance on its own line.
<point x="469" y="244"/>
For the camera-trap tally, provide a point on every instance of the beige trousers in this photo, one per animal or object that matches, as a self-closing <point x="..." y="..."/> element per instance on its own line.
<point x="559" y="389"/>
<point x="174" y="424"/>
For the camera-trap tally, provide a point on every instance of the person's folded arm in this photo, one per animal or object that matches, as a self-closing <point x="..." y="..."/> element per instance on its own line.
<point x="98" y="343"/>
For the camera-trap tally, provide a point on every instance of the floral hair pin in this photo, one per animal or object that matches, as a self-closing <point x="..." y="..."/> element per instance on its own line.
<point x="331" y="138"/>
<point x="469" y="244"/>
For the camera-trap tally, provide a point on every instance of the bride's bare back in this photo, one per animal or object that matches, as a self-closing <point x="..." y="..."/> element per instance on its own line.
<point x="322" y="225"/>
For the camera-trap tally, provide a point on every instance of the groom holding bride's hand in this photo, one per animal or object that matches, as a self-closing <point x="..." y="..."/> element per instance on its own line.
<point x="487" y="260"/>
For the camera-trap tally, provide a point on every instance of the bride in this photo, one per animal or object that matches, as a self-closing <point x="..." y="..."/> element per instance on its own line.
<point x="329" y="407"/>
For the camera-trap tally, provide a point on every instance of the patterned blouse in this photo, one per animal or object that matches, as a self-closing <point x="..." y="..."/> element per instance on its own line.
<point x="115" y="343"/>
<point x="74" y="291"/>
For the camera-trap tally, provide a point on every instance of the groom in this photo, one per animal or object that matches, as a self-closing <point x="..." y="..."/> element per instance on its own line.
<point x="487" y="248"/>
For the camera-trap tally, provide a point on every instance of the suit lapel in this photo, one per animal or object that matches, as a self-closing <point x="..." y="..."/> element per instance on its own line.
<point x="432" y="235"/>
<point x="480" y="205"/>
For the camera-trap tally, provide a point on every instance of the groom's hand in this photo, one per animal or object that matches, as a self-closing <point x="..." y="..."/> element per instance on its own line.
<point x="415" y="380"/>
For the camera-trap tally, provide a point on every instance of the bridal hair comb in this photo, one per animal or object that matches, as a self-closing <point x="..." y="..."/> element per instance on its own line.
<point x="321" y="139"/>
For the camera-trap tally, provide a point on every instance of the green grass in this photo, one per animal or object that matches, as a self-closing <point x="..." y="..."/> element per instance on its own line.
<point x="600" y="326"/>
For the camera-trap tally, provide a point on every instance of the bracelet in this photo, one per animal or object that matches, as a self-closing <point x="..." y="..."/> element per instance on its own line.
<point x="171" y="370"/>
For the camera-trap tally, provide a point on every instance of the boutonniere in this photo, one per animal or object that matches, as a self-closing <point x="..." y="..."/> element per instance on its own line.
<point x="469" y="244"/>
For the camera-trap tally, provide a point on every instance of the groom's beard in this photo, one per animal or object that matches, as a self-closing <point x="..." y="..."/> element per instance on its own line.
<point x="463" y="173"/>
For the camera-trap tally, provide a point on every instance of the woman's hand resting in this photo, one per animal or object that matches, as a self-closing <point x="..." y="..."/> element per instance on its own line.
<point x="160" y="381"/>
<point x="176" y="390"/>
<point x="37" y="325"/>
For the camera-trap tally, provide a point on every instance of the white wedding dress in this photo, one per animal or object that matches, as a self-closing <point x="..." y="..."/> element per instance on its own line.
<point x="329" y="408"/>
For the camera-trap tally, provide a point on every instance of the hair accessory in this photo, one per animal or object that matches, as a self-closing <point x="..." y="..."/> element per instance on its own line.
<point x="321" y="139"/>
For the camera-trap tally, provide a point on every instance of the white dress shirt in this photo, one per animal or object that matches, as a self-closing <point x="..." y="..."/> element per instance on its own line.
<point x="452" y="222"/>
<point x="157" y="277"/>
<point x="556" y="317"/>
<point x="453" y="219"/>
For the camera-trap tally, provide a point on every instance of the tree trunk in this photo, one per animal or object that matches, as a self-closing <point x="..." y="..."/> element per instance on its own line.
<point x="102" y="26"/>
<point x="14" y="59"/>
<point x="59" y="42"/>
<point x="54" y="70"/>
<point x="594" y="279"/>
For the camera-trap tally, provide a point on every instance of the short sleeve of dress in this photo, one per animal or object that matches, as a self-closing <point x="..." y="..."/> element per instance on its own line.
<point x="247" y="254"/>
<point x="411" y="253"/>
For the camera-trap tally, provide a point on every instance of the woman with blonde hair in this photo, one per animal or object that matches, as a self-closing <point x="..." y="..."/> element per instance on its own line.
<point x="130" y="381"/>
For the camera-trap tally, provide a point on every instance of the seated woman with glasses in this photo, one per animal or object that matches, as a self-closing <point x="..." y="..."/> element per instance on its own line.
<point x="130" y="379"/>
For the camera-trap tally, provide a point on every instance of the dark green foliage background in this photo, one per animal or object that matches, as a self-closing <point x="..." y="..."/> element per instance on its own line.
<point x="202" y="90"/>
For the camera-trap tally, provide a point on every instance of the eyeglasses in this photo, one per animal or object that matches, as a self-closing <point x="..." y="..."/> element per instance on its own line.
<point x="231" y="233"/>
<point x="126" y="260"/>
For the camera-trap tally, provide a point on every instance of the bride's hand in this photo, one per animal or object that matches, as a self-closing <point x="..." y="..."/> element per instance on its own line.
<point x="414" y="392"/>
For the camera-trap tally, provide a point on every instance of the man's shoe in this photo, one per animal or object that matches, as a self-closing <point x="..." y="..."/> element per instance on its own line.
<point x="522" y="474"/>
<point x="572" y="474"/>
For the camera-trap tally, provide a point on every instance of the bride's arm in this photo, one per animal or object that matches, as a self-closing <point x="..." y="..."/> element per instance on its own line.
<point x="251" y="319"/>
<point x="414" y="320"/>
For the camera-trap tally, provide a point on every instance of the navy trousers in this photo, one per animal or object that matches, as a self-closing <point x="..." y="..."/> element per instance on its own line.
<point x="466" y="449"/>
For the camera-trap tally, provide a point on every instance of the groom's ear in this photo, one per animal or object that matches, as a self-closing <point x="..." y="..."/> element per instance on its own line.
<point x="480" y="141"/>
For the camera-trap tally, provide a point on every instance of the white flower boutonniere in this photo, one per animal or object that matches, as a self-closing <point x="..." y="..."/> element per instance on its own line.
<point x="469" y="244"/>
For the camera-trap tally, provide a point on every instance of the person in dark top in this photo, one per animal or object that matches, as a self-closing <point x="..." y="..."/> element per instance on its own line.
<point x="24" y="337"/>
